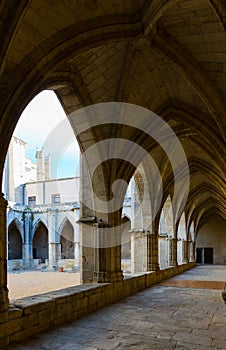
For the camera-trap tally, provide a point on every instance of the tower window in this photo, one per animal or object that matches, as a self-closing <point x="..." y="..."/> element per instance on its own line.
<point x="32" y="201"/>
<point x="55" y="198"/>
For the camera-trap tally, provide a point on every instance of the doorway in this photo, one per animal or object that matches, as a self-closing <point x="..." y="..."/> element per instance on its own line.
<point x="208" y="255"/>
<point x="204" y="255"/>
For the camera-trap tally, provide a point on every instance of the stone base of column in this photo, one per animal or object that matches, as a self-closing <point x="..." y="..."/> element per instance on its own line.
<point x="185" y="261"/>
<point x="53" y="256"/>
<point x="108" y="277"/>
<point x="4" y="300"/>
<point x="86" y="277"/>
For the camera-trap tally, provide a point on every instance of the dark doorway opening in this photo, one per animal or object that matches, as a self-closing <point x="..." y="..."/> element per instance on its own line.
<point x="208" y="255"/>
<point x="204" y="255"/>
<point x="14" y="242"/>
<point x="40" y="243"/>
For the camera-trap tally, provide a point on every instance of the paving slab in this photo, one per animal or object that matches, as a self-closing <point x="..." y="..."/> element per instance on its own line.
<point x="161" y="317"/>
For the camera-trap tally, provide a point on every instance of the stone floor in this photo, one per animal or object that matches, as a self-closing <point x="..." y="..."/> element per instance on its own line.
<point x="162" y="317"/>
<point x="24" y="284"/>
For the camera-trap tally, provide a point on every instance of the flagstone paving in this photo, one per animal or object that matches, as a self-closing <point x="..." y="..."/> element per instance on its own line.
<point x="161" y="317"/>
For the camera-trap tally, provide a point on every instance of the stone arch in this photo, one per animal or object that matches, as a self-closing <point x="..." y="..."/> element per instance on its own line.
<point x="66" y="232"/>
<point x="168" y="216"/>
<point x="40" y="242"/>
<point x="165" y="231"/>
<point x="17" y="221"/>
<point x="191" y="232"/>
<point x="37" y="223"/>
<point x="15" y="243"/>
<point x="181" y="238"/>
<point x="182" y="227"/>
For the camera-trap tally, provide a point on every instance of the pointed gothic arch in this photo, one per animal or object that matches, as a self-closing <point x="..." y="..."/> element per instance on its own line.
<point x="15" y="243"/>
<point x="40" y="242"/>
<point x="66" y="231"/>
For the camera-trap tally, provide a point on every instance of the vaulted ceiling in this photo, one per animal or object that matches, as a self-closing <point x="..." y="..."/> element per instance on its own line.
<point x="167" y="56"/>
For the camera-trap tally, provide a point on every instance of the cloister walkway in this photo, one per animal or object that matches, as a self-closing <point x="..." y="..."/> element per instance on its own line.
<point x="184" y="312"/>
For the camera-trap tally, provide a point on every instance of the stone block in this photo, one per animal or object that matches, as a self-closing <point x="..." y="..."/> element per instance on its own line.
<point x="4" y="341"/>
<point x="14" y="313"/>
<point x="10" y="327"/>
<point x="33" y="304"/>
<point x="4" y="316"/>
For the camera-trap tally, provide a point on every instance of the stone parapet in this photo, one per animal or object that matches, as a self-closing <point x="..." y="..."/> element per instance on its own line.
<point x="31" y="315"/>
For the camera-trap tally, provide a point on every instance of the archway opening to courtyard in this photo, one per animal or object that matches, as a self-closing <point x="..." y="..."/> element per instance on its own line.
<point x="14" y="242"/>
<point x="37" y="183"/>
<point x="40" y="243"/>
<point x="67" y="240"/>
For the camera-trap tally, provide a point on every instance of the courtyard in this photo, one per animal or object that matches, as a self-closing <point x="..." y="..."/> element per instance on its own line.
<point x="23" y="284"/>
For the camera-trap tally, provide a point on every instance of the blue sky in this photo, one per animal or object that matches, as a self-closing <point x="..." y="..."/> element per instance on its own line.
<point x="37" y="126"/>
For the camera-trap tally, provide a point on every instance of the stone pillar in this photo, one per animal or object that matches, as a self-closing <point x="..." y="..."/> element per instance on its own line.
<point x="28" y="254"/>
<point x="136" y="214"/>
<point x="172" y="252"/>
<point x="184" y="252"/>
<point x="107" y="253"/>
<point x="53" y="254"/>
<point x="86" y="250"/>
<point x="192" y="251"/>
<point x="76" y="238"/>
<point x="87" y="219"/>
<point x="153" y="248"/>
<point x="53" y="244"/>
<point x="4" y="300"/>
<point x="138" y="251"/>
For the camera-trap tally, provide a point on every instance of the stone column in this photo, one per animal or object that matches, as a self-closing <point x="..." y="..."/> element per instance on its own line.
<point x="184" y="252"/>
<point x="86" y="250"/>
<point x="153" y="248"/>
<point x="172" y="252"/>
<point x="28" y="254"/>
<point x="86" y="221"/>
<point x="53" y="245"/>
<point x="76" y="238"/>
<point x="138" y="251"/>
<point x="107" y="253"/>
<point x="4" y="300"/>
<point x="192" y="251"/>
<point x="53" y="254"/>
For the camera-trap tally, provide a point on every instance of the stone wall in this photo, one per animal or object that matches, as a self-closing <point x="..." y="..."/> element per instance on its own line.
<point x="213" y="235"/>
<point x="31" y="315"/>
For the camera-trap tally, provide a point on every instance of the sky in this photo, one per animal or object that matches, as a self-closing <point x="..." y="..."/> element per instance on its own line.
<point x="44" y="125"/>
